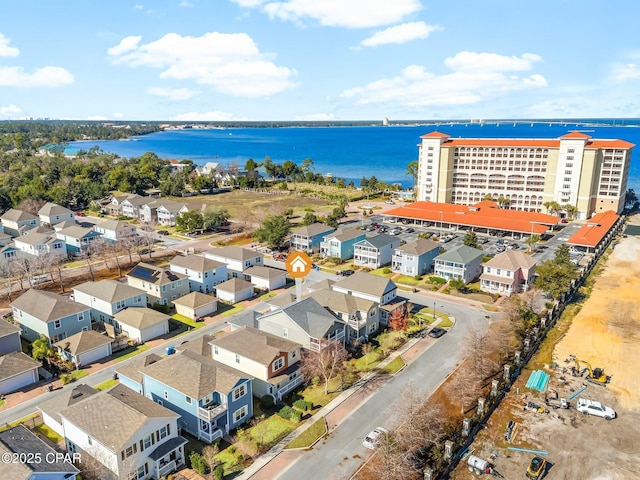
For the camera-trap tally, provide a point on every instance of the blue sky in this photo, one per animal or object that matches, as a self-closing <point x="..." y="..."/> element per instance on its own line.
<point x="213" y="60"/>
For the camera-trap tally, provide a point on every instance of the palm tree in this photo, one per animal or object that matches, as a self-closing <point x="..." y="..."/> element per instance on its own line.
<point x="571" y="210"/>
<point x="412" y="171"/>
<point x="532" y="240"/>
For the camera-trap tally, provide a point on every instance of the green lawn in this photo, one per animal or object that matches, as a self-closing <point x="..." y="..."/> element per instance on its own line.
<point x="187" y="321"/>
<point x="107" y="384"/>
<point x="271" y="430"/>
<point x="129" y="352"/>
<point x="407" y="280"/>
<point x="380" y="272"/>
<point x="28" y="420"/>
<point x="310" y="435"/>
<point x="315" y="393"/>
<point x="393" y="366"/>
<point x="1" y="403"/>
<point x="368" y="362"/>
<point x="50" y="434"/>
<point x="232" y="310"/>
<point x="78" y="374"/>
<point x="267" y="296"/>
<point x="445" y="321"/>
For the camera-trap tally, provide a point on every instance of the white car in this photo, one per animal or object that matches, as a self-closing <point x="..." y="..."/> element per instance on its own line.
<point x="591" y="407"/>
<point x="371" y="441"/>
<point x="389" y="202"/>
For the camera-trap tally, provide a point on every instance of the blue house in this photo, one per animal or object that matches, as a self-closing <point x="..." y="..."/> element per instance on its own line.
<point x="210" y="397"/>
<point x="78" y="239"/>
<point x="56" y="317"/>
<point x="339" y="244"/>
<point x="308" y="238"/>
<point x="415" y="258"/>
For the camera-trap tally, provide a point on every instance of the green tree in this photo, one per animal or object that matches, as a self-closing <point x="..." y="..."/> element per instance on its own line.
<point x="273" y="231"/>
<point x="190" y="222"/>
<point x="532" y="240"/>
<point x="214" y="217"/>
<point x="555" y="276"/>
<point x="471" y="239"/>
<point x="571" y="210"/>
<point x="307" y="166"/>
<point x="309" y="218"/>
<point x="631" y="200"/>
<point x="41" y="349"/>
<point x="412" y="171"/>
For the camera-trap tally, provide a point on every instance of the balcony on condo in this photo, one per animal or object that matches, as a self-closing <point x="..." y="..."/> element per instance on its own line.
<point x="211" y="411"/>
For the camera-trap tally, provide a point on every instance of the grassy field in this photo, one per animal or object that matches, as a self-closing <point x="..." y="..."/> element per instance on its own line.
<point x="310" y="435"/>
<point x="394" y="366"/>
<point x="187" y="321"/>
<point x="106" y="384"/>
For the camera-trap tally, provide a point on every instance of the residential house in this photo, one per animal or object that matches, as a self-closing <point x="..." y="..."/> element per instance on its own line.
<point x="272" y="361"/>
<point x="17" y="370"/>
<point x="204" y="273"/>
<point x="132" y="206"/>
<point x="375" y="288"/>
<point x="305" y="322"/>
<point x="57" y="227"/>
<point x="45" y="313"/>
<point x="115" y="205"/>
<point x="212" y="398"/>
<point x="161" y="284"/>
<point x="339" y="244"/>
<point x="508" y="272"/>
<point x="415" y="258"/>
<point x="308" y="238"/>
<point x="462" y="263"/>
<point x="266" y="278"/>
<point x="79" y="239"/>
<point x="37" y="460"/>
<point x="375" y="251"/>
<point x="200" y="345"/>
<point x="9" y="338"/>
<point x="148" y="212"/>
<point x="196" y="305"/>
<point x="9" y="251"/>
<point x="16" y="222"/>
<point x="234" y="290"/>
<point x="84" y="348"/>
<point x="142" y="324"/>
<point x="130" y="375"/>
<point x="114" y="230"/>
<point x="5" y="238"/>
<point x="52" y="214"/>
<point x="50" y="408"/>
<point x="41" y="245"/>
<point x="360" y="314"/>
<point x="168" y="212"/>
<point x="238" y="259"/>
<point x="211" y="169"/>
<point x="108" y="297"/>
<point x="132" y="436"/>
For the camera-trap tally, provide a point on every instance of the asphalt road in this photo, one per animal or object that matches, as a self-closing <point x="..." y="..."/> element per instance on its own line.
<point x="340" y="456"/>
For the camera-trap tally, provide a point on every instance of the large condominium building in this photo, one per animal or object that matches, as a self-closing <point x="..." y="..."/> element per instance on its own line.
<point x="574" y="169"/>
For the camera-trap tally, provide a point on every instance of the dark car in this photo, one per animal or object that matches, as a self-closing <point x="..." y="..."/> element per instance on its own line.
<point x="163" y="232"/>
<point x="345" y="273"/>
<point x="409" y="230"/>
<point x="437" y="332"/>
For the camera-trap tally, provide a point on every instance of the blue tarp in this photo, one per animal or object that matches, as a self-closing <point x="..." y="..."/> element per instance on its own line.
<point x="538" y="380"/>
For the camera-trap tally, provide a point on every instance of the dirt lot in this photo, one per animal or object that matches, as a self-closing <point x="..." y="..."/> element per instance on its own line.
<point x="606" y="332"/>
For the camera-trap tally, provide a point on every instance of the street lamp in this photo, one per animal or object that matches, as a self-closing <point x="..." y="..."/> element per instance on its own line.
<point x="434" y="311"/>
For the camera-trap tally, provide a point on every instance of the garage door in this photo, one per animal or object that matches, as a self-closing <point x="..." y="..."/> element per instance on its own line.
<point x="16" y="383"/>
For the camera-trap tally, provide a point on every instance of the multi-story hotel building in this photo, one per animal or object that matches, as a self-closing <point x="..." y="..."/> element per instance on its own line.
<point x="572" y="170"/>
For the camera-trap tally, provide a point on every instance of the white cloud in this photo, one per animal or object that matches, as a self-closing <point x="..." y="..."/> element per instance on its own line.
<point x="185" y="3"/>
<point x="230" y="63"/>
<point x="415" y="87"/>
<point x="315" y="116"/>
<point x="400" y="34"/>
<point x="173" y="93"/>
<point x="338" y="13"/>
<point x="491" y="62"/>
<point x="118" y="115"/>
<point x="10" y="111"/>
<point x="126" y="45"/>
<point x="5" y="49"/>
<point x="205" y="117"/>
<point x="42" y="77"/>
<point x="625" y="72"/>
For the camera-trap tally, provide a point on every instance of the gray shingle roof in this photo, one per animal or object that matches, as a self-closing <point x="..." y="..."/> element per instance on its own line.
<point x="511" y="260"/>
<point x="109" y="290"/>
<point x="380" y="240"/>
<point x="114" y="225"/>
<point x="82" y="342"/>
<point x="22" y="441"/>
<point x="312" y="317"/>
<point x="199" y="263"/>
<point x="234" y="253"/>
<point x="342" y="302"/>
<point x="113" y="417"/>
<point x="256" y="345"/>
<point x="64" y="399"/>
<point x="15" y="215"/>
<point x="366" y="283"/>
<point x="7" y="328"/>
<point x="77" y="231"/>
<point x="264" y="272"/>
<point x="156" y="275"/>
<point x="49" y="209"/>
<point x="313" y="229"/>
<point x="200" y="345"/>
<point x="47" y="306"/>
<point x="418" y="247"/>
<point x="194" y="375"/>
<point x="140" y="317"/>
<point x="133" y="368"/>
<point x="346" y="234"/>
<point x="194" y="300"/>
<point x="15" y="363"/>
<point x="462" y="254"/>
<point x="234" y="285"/>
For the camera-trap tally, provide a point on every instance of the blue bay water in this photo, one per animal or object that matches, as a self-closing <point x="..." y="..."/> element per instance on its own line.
<point x="349" y="152"/>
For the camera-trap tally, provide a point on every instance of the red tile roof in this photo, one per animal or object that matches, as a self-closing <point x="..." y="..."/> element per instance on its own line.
<point x="591" y="234"/>
<point x="485" y="214"/>
<point x="575" y="134"/>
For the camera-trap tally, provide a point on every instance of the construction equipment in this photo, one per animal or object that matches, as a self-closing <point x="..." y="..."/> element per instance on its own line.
<point x="594" y="375"/>
<point x="553" y="400"/>
<point x="537" y="468"/>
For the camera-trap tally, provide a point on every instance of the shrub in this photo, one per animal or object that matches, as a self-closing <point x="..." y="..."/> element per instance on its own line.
<point x="66" y="378"/>
<point x="290" y="414"/>
<point x="386" y="270"/>
<point x="437" y="280"/>
<point x="161" y="308"/>
<point x="266" y="401"/>
<point x="232" y="449"/>
<point x="303" y="405"/>
<point x="417" y="278"/>
<point x="197" y="462"/>
<point x="218" y="473"/>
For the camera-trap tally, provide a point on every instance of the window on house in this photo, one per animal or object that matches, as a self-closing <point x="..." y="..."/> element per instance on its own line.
<point x="188" y="399"/>
<point x="237" y="358"/>
<point x="215" y="349"/>
<point x="57" y="324"/>
<point x="239" y="392"/>
<point x="148" y="442"/>
<point x="285" y="332"/>
<point x="90" y="440"/>
<point x="80" y="317"/>
<point x="240" y="414"/>
<point x="278" y="364"/>
<point x="163" y="432"/>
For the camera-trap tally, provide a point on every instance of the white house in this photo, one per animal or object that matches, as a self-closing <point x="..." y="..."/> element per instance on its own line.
<point x="41" y="245"/>
<point x="142" y="324"/>
<point x="375" y="251"/>
<point x="461" y="263"/>
<point x="132" y="206"/>
<point x="196" y="305"/>
<point x="266" y="278"/>
<point x="168" y="212"/>
<point x="131" y="435"/>
<point x="108" y="297"/>
<point x="53" y="213"/>
<point x="204" y="273"/>
<point x="16" y="222"/>
<point x="234" y="290"/>
<point x="84" y="348"/>
<point x="17" y="370"/>
<point x="238" y="259"/>
<point x="114" y="230"/>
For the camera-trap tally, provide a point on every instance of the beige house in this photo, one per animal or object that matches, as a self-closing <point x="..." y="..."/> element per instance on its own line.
<point x="508" y="272"/>
<point x="360" y="314"/>
<point x="234" y="290"/>
<point x="141" y="323"/>
<point x="196" y="305"/>
<point x="50" y="407"/>
<point x="266" y="278"/>
<point x="84" y="348"/>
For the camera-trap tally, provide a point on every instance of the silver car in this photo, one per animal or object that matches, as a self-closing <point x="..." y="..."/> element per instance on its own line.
<point x="372" y="440"/>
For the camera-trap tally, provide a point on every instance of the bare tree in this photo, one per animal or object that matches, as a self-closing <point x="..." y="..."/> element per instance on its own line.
<point x="209" y="453"/>
<point x="367" y="350"/>
<point x="31" y="205"/>
<point x="55" y="264"/>
<point x="325" y="364"/>
<point x="148" y="233"/>
<point x="8" y="276"/>
<point x="393" y="461"/>
<point x="462" y="388"/>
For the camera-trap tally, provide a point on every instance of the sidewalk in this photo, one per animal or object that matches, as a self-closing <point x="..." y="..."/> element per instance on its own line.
<point x="277" y="460"/>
